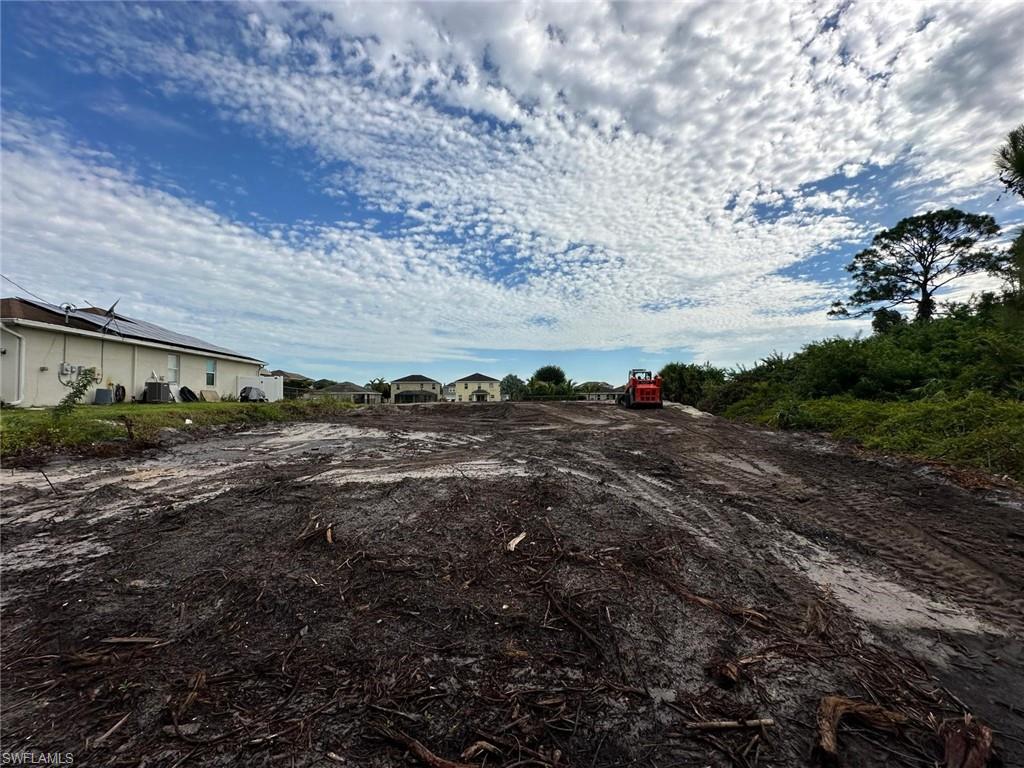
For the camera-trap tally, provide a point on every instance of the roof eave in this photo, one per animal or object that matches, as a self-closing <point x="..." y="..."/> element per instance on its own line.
<point x="115" y="337"/>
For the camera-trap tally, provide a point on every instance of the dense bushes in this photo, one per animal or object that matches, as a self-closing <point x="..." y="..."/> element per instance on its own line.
<point x="549" y="382"/>
<point x="688" y="383"/>
<point x="951" y="389"/>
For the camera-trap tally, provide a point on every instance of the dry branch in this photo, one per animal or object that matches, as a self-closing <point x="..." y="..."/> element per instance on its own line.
<point x="967" y="743"/>
<point x="834" y="708"/>
<point x="722" y="725"/>
<point x="568" y="617"/>
<point x="747" y="615"/>
<point x="130" y="640"/>
<point x="421" y="752"/>
<point x="112" y="730"/>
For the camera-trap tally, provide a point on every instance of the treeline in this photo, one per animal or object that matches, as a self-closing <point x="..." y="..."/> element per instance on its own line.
<point x="951" y="389"/>
<point x="975" y="348"/>
<point x="946" y="383"/>
<point x="549" y="382"/>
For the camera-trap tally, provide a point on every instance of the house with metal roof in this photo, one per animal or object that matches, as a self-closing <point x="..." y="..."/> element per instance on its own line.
<point x="44" y="347"/>
<point x="415" y="388"/>
<point x="477" y="388"/>
<point x="346" y="390"/>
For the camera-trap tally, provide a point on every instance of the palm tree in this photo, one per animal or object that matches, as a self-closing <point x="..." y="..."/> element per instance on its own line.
<point x="1010" y="161"/>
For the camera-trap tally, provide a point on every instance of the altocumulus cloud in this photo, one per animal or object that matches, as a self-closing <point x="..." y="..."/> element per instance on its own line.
<point x="640" y="175"/>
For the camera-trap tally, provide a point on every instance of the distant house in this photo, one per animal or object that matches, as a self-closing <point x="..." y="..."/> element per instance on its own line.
<point x="477" y="388"/>
<point x="415" y="388"/>
<point x="448" y="392"/>
<point x="346" y="390"/>
<point x="289" y="376"/>
<point x="293" y="385"/>
<point x="597" y="390"/>
<point x="44" y="347"/>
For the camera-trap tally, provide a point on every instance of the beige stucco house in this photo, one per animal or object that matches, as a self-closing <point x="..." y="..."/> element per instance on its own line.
<point x="44" y="346"/>
<point x="477" y="388"/>
<point x="415" y="388"/>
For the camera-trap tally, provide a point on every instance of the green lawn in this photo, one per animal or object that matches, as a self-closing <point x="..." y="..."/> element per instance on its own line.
<point x="27" y="431"/>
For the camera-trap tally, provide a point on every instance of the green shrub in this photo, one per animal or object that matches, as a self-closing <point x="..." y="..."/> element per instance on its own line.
<point x="954" y="355"/>
<point x="976" y="430"/>
<point x="950" y="389"/>
<point x="76" y="392"/>
<point x="690" y="383"/>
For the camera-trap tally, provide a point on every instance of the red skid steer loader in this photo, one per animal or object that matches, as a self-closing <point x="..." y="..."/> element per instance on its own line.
<point x="643" y="390"/>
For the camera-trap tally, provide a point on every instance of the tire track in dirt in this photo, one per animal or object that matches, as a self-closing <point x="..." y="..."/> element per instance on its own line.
<point x="865" y="503"/>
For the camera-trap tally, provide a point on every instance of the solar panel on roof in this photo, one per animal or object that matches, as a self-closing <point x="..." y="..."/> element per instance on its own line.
<point x="140" y="329"/>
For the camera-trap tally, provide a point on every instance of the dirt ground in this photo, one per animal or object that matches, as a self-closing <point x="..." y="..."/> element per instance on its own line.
<point x="345" y="593"/>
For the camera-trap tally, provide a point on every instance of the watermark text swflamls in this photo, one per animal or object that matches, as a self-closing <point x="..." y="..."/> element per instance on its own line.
<point x="37" y="758"/>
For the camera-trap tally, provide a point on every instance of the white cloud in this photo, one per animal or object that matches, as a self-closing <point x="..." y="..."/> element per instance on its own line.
<point x="609" y="167"/>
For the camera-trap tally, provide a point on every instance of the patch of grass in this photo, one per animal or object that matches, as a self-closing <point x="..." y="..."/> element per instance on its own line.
<point x="30" y="431"/>
<point x="977" y="430"/>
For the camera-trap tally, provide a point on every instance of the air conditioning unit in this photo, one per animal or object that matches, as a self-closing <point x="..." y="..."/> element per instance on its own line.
<point x="158" y="392"/>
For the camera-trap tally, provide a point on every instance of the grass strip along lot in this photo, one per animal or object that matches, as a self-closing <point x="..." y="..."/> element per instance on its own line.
<point x="28" y="432"/>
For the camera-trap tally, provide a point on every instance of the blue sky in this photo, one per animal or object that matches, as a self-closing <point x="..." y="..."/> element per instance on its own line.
<point x="360" y="190"/>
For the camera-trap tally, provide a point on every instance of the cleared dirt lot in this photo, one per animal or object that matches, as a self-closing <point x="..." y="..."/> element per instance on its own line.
<point x="190" y="607"/>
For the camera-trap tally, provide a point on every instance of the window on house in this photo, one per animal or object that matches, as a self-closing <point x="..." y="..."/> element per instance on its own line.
<point x="211" y="373"/>
<point x="466" y="385"/>
<point x="173" y="364"/>
<point x="421" y="386"/>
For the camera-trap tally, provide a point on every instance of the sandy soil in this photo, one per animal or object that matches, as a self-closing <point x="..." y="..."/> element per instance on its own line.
<point x="190" y="607"/>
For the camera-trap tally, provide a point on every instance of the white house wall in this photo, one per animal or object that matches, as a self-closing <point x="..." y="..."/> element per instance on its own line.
<point x="117" y="362"/>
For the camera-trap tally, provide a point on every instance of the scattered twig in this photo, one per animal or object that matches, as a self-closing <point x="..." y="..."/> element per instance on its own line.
<point x="112" y="730"/>
<point x="568" y="617"/>
<point x="411" y="717"/>
<point x="425" y="755"/>
<point x="52" y="487"/>
<point x="313" y="531"/>
<point x="131" y="640"/>
<point x="722" y="725"/>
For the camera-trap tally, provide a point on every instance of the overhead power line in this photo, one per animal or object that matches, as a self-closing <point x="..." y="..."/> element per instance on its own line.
<point x="26" y="290"/>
